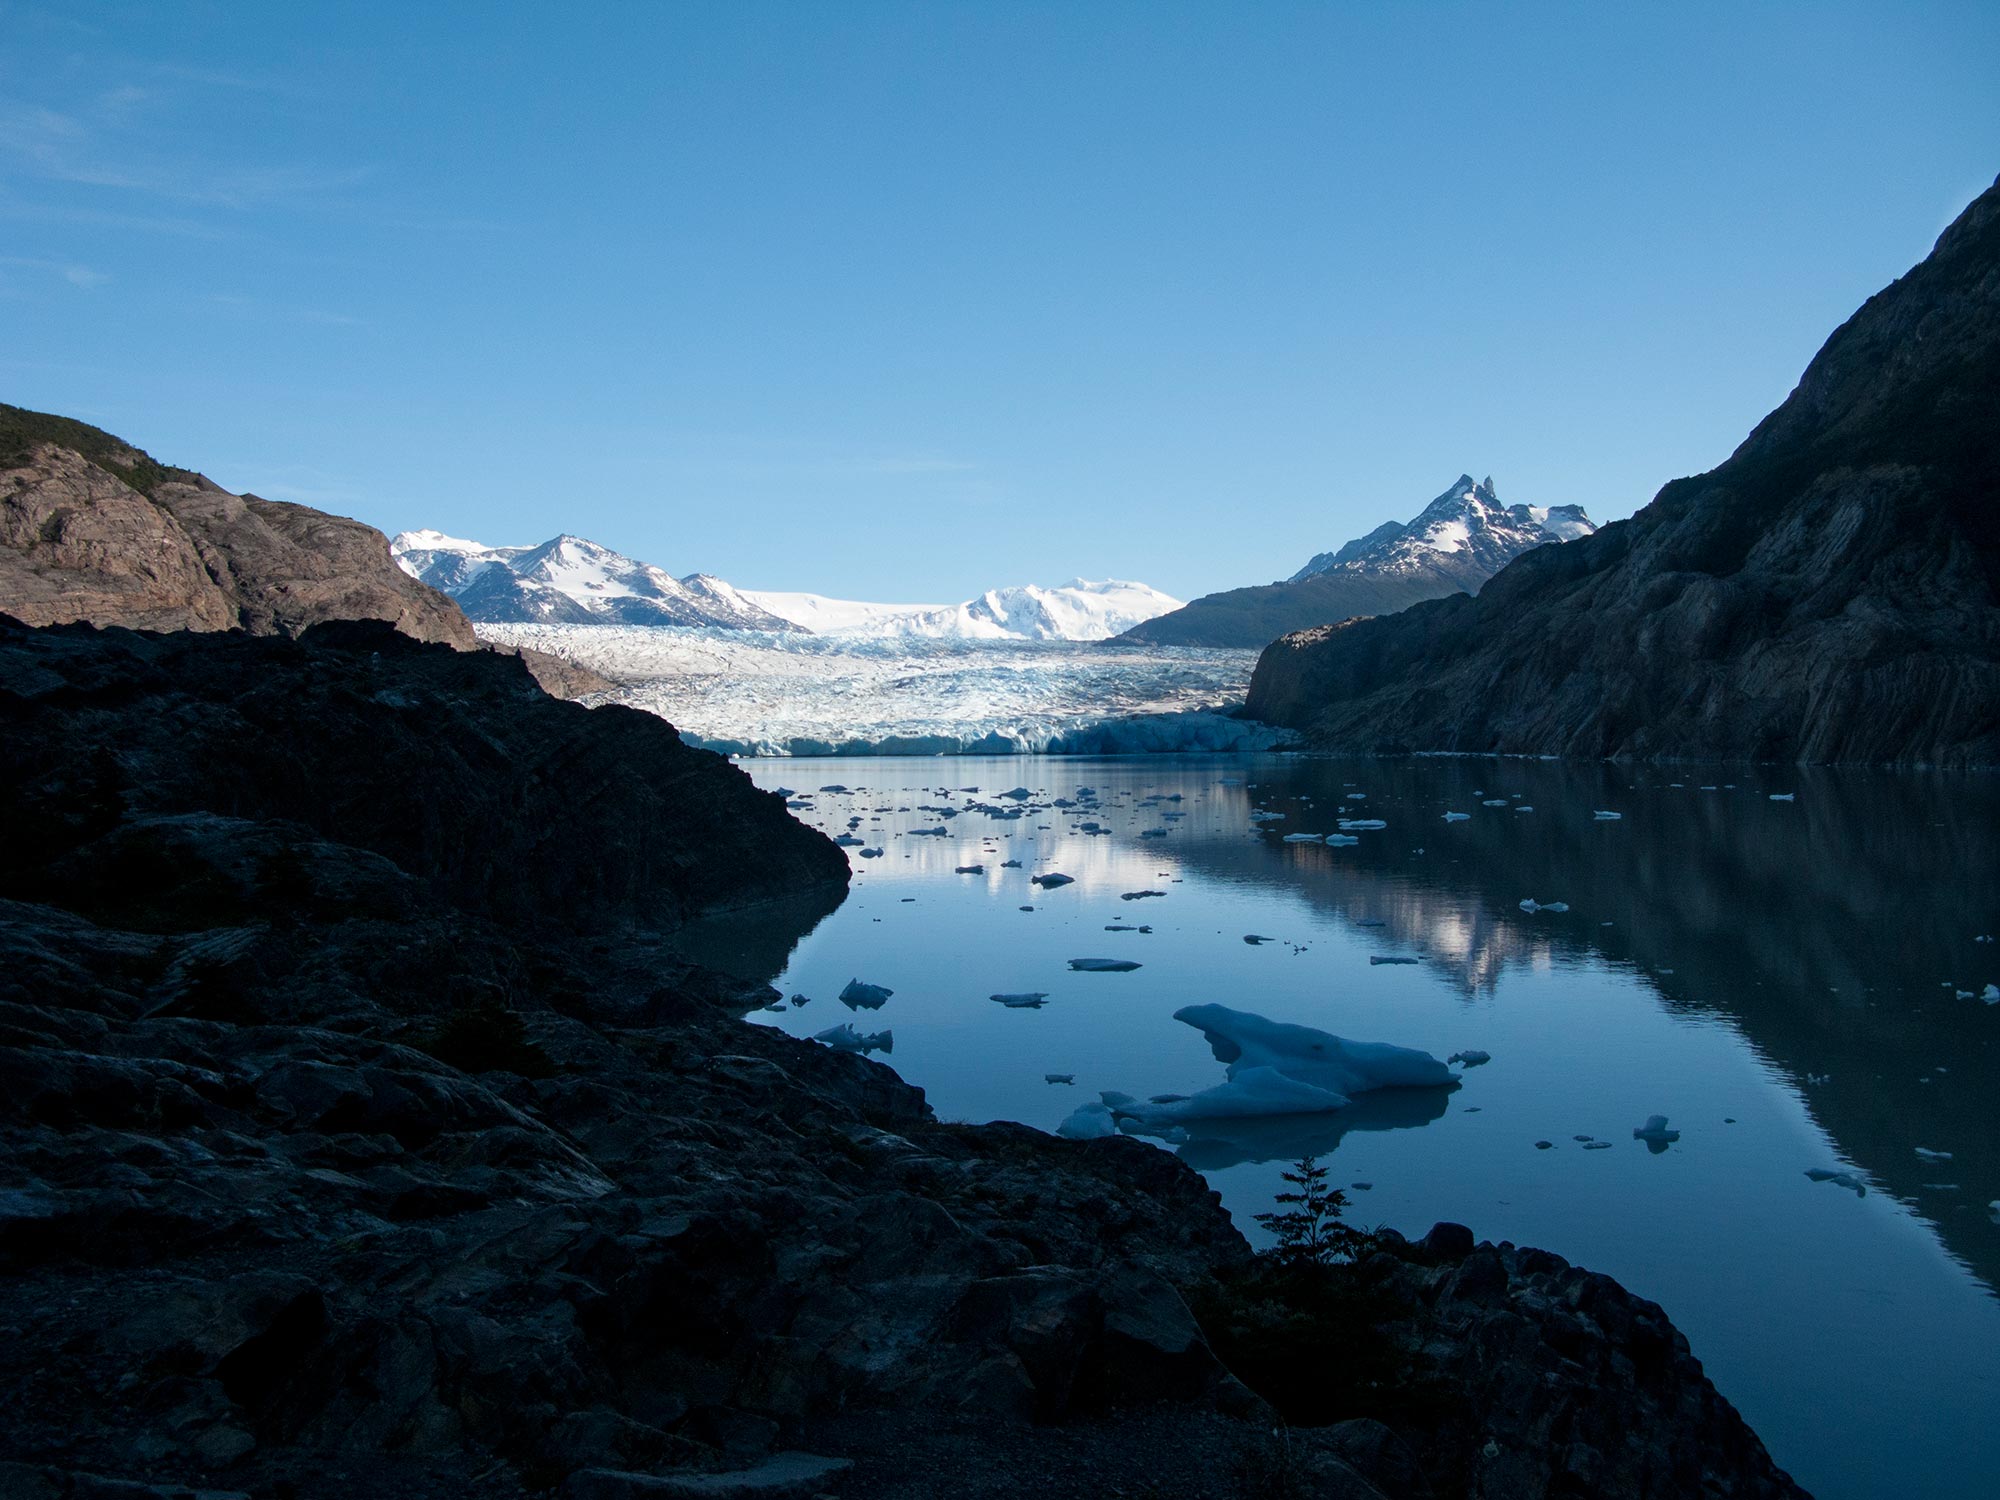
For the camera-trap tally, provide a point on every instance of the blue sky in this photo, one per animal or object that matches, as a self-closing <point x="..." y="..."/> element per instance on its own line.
<point x="903" y="301"/>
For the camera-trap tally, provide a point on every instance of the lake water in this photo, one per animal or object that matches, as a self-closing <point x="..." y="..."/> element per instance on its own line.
<point x="1781" y="979"/>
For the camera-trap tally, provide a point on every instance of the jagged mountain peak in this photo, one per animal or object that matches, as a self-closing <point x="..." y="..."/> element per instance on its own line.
<point x="1467" y="521"/>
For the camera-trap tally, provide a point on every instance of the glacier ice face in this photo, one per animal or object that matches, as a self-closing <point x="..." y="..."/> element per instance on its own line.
<point x="770" y="693"/>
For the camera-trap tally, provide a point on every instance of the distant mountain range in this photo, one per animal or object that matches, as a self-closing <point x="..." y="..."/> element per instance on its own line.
<point x="1457" y="542"/>
<point x="568" y="580"/>
<point x="1829" y="593"/>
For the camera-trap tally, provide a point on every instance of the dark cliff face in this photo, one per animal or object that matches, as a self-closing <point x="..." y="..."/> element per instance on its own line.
<point x="452" y="765"/>
<point x="1829" y="594"/>
<point x="94" y="529"/>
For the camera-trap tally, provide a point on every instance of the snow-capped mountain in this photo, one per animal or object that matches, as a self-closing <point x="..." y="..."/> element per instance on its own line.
<point x="567" y="580"/>
<point x="1453" y="545"/>
<point x="1464" y="529"/>
<point x="1080" y="610"/>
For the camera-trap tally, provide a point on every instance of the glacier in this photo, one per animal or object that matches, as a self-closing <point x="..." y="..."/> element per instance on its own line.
<point x="772" y="693"/>
<point x="1080" y="610"/>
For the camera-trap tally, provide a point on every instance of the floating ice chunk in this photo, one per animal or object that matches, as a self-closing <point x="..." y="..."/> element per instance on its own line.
<point x="848" y="841"/>
<point x="844" y="1038"/>
<point x="970" y="870"/>
<point x="1250" y="1091"/>
<point x="1457" y="817"/>
<point x="1607" y="817"/>
<point x="1783" y="796"/>
<point x="799" y="1000"/>
<point x="1494" y="802"/>
<point x="871" y="853"/>
<point x="1059" y="1078"/>
<point x="1254" y="939"/>
<point x="1524" y="808"/>
<point x="1089" y="1122"/>
<point x="1545" y="1145"/>
<point x="860" y="996"/>
<point x="1352" y="824"/>
<point x="1655" y="1134"/>
<point x="1050" y="882"/>
<point x="1025" y="1000"/>
<point x="1340" y="839"/>
<point x="1140" y="895"/>
<point x="1244" y="1040"/>
<point x="1259" y="815"/>
<point x="1355" y="796"/>
<point x="1840" y="1177"/>
<point x="1103" y="965"/>
<point x="1531" y="906"/>
<point x="1991" y="994"/>
<point x="1472" y="1057"/>
<point x="1010" y="864"/>
<point x="1390" y="958"/>
<point x="1597" y="1145"/>
<point x="1984" y="937"/>
<point x="930" y="833"/>
<point x="1304" y="838"/>
<point x="1018" y="794"/>
<point x="1929" y="1155"/>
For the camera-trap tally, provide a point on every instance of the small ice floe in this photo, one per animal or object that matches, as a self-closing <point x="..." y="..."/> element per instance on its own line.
<point x="1304" y="838"/>
<point x="1059" y="1078"/>
<point x="1139" y="895"/>
<point x="1152" y="833"/>
<point x="1457" y="817"/>
<point x="1018" y="794"/>
<point x="1010" y="864"/>
<point x="1596" y="1145"/>
<point x="1524" y="808"/>
<point x="800" y="1000"/>
<point x="1607" y="817"/>
<point x="871" y="853"/>
<point x="1531" y="906"/>
<point x="1351" y="825"/>
<point x="1026" y="1000"/>
<point x="1089" y="1122"/>
<point x="1362" y="1187"/>
<point x="1050" y="882"/>
<point x="1027" y="908"/>
<point x="1984" y="937"/>
<point x="1818" y="1078"/>
<point x="1340" y="840"/>
<point x="860" y="996"/>
<point x="1471" y="1057"/>
<point x="1655" y="1134"/>
<point x="970" y="870"/>
<point x="844" y="1038"/>
<point x="1102" y="965"/>
<point x="1545" y="1145"/>
<point x="1839" y="1177"/>
<point x="930" y="833"/>
<point x="1940" y="1187"/>
<point x="1784" y="796"/>
<point x="1389" y="958"/>
<point x="1259" y="815"/>
<point x="1354" y="796"/>
<point x="1254" y="939"/>
<point x="1119" y="927"/>
<point x="1494" y="802"/>
<point x="1929" y="1155"/>
<point x="1991" y="994"/>
<point x="848" y="841"/>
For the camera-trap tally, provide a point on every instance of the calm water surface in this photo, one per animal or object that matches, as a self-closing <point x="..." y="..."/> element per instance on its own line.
<point x="1781" y="979"/>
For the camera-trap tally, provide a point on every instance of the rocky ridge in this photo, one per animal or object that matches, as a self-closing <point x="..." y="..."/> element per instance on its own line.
<point x="366" y="1140"/>
<point x="94" y="529"/>
<point x="1457" y="542"/>
<point x="1829" y="594"/>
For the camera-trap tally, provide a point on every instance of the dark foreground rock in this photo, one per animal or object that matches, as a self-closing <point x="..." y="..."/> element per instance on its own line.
<point x="1830" y="594"/>
<point x="328" y="1169"/>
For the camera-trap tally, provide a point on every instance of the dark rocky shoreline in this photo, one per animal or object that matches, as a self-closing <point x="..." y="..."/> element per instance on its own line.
<point x="363" y="1134"/>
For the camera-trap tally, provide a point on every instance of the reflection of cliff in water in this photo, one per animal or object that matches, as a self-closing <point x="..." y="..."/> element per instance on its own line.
<point x="756" y="943"/>
<point x="1833" y="932"/>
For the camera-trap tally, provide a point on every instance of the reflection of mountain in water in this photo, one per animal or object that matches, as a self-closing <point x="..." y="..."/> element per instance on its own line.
<point x="1834" y="931"/>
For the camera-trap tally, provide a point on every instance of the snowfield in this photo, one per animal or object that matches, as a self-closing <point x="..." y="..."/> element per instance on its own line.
<point x="770" y="693"/>
<point x="1080" y="610"/>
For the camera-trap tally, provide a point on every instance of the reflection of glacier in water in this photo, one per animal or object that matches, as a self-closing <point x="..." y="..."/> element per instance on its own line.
<point x="1794" y="984"/>
<point x="762" y="693"/>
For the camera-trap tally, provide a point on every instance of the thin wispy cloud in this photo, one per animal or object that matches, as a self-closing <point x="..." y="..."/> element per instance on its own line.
<point x="73" y="272"/>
